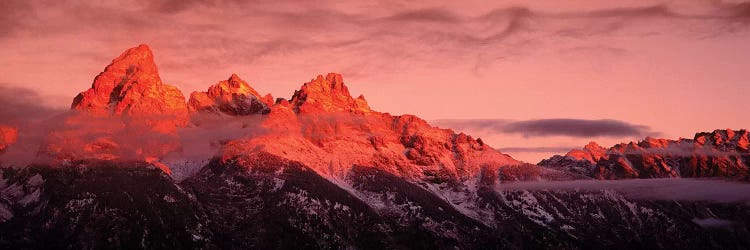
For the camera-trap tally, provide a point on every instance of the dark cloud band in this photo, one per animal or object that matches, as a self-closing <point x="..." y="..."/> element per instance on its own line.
<point x="551" y="127"/>
<point x="19" y="106"/>
<point x="534" y="149"/>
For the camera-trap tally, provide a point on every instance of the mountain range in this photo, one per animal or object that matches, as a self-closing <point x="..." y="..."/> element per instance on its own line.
<point x="133" y="164"/>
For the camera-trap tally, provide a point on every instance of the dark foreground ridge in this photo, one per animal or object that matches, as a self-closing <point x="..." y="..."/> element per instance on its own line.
<point x="283" y="204"/>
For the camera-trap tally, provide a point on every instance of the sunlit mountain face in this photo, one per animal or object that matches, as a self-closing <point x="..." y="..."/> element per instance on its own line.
<point x="469" y="137"/>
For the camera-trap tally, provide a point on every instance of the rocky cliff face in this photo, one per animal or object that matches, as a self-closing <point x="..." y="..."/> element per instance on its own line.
<point x="327" y="94"/>
<point x="131" y="85"/>
<point x="721" y="153"/>
<point x="232" y="97"/>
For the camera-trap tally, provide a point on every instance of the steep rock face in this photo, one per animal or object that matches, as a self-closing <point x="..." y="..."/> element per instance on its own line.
<point x="131" y="85"/>
<point x="592" y="152"/>
<point x="8" y="136"/>
<point x="724" y="140"/>
<point x="328" y="130"/>
<point x="232" y="96"/>
<point x="327" y="94"/>
<point x="721" y="153"/>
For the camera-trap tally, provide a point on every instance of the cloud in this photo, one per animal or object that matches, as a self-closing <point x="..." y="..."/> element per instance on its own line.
<point x="576" y="128"/>
<point x="24" y="110"/>
<point x="736" y="11"/>
<point x="195" y="33"/>
<point x="426" y="15"/>
<point x="534" y="149"/>
<point x="13" y="16"/>
<point x="46" y="132"/>
<point x="551" y="127"/>
<point x="632" y="12"/>
<point x="714" y="223"/>
<point x="21" y="106"/>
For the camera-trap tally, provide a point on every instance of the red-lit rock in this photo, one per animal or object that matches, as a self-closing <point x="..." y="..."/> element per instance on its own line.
<point x="327" y="94"/>
<point x="721" y="153"/>
<point x="232" y="96"/>
<point x="131" y="86"/>
<point x="322" y="127"/>
<point x="592" y="152"/>
<point x="325" y="128"/>
<point x="8" y="136"/>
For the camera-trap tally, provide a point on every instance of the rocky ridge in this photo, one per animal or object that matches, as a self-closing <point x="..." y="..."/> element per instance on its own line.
<point x="232" y="97"/>
<point x="721" y="153"/>
<point x="322" y="125"/>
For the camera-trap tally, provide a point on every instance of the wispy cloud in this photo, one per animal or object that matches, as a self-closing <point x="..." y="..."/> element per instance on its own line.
<point x="534" y="149"/>
<point x="20" y="106"/>
<point x="12" y="16"/>
<point x="551" y="127"/>
<point x="228" y="32"/>
<point x="577" y="128"/>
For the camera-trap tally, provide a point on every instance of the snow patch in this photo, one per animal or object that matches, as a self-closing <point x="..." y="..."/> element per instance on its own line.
<point x="77" y="205"/>
<point x="30" y="198"/>
<point x="168" y="199"/>
<point x="35" y="181"/>
<point x="277" y="184"/>
<point x="5" y="213"/>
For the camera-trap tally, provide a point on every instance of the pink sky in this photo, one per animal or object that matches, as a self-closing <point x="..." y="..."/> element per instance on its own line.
<point x="675" y="67"/>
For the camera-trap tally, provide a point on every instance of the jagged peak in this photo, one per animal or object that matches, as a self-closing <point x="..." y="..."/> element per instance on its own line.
<point x="232" y="96"/>
<point x="727" y="137"/>
<point x="327" y="94"/>
<point x="592" y="152"/>
<point x="138" y="58"/>
<point x="332" y="84"/>
<point x="651" y="142"/>
<point x="233" y="85"/>
<point x="142" y="51"/>
<point x="592" y="146"/>
<point x="131" y="85"/>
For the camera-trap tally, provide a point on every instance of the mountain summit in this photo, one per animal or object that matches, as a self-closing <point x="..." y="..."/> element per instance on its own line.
<point x="232" y="96"/>
<point x="327" y="94"/>
<point x="131" y="85"/>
